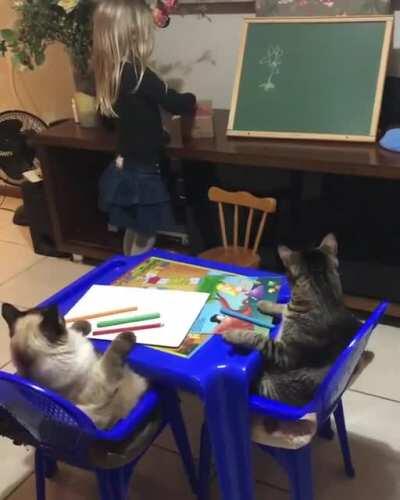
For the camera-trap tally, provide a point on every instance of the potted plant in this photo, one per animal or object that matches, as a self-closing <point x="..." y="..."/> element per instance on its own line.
<point x="43" y="22"/>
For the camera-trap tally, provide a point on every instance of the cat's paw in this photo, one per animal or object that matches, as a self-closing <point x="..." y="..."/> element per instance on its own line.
<point x="265" y="306"/>
<point x="245" y="339"/>
<point x="82" y="326"/>
<point x="268" y="307"/>
<point x="124" y="342"/>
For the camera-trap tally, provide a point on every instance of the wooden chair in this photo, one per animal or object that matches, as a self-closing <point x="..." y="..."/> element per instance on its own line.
<point x="245" y="255"/>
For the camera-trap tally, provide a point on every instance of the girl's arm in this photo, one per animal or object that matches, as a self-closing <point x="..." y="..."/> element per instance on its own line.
<point x="154" y="88"/>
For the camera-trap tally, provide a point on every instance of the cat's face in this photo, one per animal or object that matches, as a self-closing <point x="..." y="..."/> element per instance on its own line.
<point x="33" y="333"/>
<point x="317" y="267"/>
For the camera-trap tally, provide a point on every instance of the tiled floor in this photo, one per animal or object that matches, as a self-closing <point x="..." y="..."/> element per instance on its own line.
<point x="372" y="410"/>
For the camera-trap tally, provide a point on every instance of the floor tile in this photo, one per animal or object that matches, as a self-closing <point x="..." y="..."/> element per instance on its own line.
<point x="11" y="203"/>
<point x="16" y="466"/>
<point x="15" y="259"/>
<point x="41" y="281"/>
<point x="192" y="409"/>
<point x="68" y="484"/>
<point x="375" y="443"/>
<point x="159" y="475"/>
<point x="381" y="377"/>
<point x="262" y="492"/>
<point x="11" y="232"/>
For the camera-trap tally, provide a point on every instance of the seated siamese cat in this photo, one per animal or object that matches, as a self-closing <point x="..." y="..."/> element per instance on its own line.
<point x="62" y="359"/>
<point x="315" y="326"/>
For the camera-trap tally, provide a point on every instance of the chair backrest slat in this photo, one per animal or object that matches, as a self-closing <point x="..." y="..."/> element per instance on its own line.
<point x="259" y="232"/>
<point x="242" y="199"/>
<point x="222" y="224"/>
<point x="248" y="228"/>
<point x="236" y="226"/>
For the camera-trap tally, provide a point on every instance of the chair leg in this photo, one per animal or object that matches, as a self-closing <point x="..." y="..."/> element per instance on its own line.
<point x="113" y="484"/>
<point x="104" y="484"/>
<point x="40" y="475"/>
<point x="119" y="484"/>
<point x="178" y="428"/>
<point x="204" y="464"/>
<point x="298" y="466"/>
<point x="343" y="438"/>
<point x="325" y="431"/>
<point x="50" y="467"/>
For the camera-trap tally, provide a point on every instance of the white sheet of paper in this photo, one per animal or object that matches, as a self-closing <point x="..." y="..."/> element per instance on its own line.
<point x="178" y="310"/>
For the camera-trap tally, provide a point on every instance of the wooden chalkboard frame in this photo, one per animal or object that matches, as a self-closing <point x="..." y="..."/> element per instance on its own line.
<point x="371" y="137"/>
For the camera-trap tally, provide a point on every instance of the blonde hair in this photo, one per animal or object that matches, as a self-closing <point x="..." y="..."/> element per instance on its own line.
<point x="123" y="31"/>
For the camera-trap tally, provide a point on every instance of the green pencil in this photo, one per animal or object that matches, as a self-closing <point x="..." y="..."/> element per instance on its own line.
<point x="131" y="319"/>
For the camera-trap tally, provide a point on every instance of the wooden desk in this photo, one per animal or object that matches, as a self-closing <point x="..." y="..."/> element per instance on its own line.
<point x="73" y="159"/>
<point x="342" y="158"/>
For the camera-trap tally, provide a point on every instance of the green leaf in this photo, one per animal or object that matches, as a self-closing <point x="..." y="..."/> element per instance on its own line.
<point x="9" y="36"/>
<point x="21" y="59"/>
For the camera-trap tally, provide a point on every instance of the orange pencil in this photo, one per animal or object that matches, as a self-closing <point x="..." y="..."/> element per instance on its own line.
<point x="101" y="314"/>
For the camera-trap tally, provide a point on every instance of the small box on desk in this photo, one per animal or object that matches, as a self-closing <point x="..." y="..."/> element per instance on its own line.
<point x="198" y="126"/>
<point x="203" y="123"/>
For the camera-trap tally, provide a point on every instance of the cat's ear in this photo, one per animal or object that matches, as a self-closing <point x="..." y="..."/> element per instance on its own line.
<point x="329" y="245"/>
<point x="286" y="255"/>
<point x="10" y="313"/>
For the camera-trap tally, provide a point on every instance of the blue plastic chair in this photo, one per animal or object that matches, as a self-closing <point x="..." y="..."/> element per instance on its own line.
<point x="326" y="402"/>
<point x="64" y="433"/>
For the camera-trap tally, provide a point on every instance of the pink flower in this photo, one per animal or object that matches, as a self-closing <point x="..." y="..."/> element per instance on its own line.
<point x="170" y="4"/>
<point x="160" y="17"/>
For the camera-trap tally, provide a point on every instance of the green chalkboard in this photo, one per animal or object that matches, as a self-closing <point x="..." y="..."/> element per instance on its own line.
<point x="318" y="78"/>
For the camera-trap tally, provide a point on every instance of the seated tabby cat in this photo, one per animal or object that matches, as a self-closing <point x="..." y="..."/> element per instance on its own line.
<point x="315" y="326"/>
<point x="60" y="358"/>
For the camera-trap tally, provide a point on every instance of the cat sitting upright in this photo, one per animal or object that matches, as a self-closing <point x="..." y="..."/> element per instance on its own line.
<point x="60" y="358"/>
<point x="315" y="326"/>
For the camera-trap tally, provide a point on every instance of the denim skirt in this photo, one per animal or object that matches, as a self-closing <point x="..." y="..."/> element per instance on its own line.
<point x="135" y="197"/>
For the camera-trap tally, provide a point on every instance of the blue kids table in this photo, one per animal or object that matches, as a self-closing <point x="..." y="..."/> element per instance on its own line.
<point x="218" y="375"/>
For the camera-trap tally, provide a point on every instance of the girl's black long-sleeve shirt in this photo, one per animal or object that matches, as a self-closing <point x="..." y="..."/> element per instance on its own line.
<point x="139" y="125"/>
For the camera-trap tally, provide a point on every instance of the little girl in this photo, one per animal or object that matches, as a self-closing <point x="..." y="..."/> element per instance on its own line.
<point x="132" y="191"/>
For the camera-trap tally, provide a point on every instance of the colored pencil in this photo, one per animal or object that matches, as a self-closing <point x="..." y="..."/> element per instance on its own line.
<point x="249" y="319"/>
<point x="131" y="319"/>
<point x="127" y="329"/>
<point x="101" y="314"/>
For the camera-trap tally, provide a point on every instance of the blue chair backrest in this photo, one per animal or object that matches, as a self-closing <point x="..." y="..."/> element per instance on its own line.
<point x="52" y="421"/>
<point x="339" y="376"/>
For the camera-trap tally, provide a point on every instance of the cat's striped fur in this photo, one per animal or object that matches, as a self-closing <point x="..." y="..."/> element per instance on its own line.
<point x="315" y="326"/>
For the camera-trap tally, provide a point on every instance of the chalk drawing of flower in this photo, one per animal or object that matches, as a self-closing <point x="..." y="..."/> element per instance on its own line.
<point x="273" y="61"/>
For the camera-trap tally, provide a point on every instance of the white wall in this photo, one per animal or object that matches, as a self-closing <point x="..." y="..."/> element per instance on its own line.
<point x="200" y="54"/>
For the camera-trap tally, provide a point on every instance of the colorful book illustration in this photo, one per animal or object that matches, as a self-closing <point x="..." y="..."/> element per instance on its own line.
<point x="226" y="290"/>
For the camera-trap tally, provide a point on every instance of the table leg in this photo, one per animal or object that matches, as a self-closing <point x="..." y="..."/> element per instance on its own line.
<point x="226" y="406"/>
